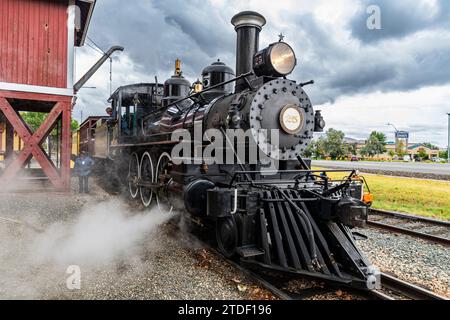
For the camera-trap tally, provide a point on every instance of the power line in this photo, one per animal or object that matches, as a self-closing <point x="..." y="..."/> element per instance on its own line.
<point x="95" y="49"/>
<point x="96" y="45"/>
<point x="99" y="50"/>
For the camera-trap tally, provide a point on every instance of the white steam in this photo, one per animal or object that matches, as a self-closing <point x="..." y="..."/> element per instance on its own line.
<point x="34" y="258"/>
<point x="103" y="233"/>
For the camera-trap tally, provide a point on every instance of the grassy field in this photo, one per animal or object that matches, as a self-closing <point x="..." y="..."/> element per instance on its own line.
<point x="422" y="197"/>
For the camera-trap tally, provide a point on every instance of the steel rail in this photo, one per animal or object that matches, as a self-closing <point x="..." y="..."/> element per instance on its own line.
<point x="409" y="217"/>
<point x="404" y="288"/>
<point x="254" y="277"/>
<point x="416" y="234"/>
<point x="388" y="282"/>
<point x="247" y="272"/>
<point x="380" y="295"/>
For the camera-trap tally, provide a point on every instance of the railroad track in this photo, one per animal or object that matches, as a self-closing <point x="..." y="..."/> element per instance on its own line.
<point x="433" y="230"/>
<point x="397" y="289"/>
<point x="392" y="287"/>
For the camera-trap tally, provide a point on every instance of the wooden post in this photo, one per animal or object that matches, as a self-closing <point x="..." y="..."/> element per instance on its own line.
<point x="66" y="144"/>
<point x="9" y="143"/>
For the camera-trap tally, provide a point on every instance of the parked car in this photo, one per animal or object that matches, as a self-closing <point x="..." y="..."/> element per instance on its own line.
<point x="354" y="159"/>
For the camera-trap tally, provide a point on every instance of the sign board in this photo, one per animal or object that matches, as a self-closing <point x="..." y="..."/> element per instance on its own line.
<point x="402" y="135"/>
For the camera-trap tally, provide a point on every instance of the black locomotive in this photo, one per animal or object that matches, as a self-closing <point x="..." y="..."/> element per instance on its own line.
<point x="293" y="220"/>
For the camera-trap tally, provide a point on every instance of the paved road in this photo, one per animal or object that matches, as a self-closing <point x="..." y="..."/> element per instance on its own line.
<point x="423" y="168"/>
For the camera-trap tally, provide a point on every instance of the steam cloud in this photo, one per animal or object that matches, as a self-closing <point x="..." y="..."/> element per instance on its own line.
<point x="103" y="234"/>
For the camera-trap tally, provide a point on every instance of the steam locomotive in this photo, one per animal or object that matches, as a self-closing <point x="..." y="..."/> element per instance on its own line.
<point x="292" y="220"/>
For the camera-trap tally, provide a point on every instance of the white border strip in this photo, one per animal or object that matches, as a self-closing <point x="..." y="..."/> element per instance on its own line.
<point x="35" y="89"/>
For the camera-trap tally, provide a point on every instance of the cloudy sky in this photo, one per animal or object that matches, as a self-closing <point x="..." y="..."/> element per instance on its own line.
<point x="364" y="78"/>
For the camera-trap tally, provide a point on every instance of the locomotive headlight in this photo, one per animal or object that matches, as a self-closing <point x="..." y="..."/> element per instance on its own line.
<point x="277" y="60"/>
<point x="291" y="119"/>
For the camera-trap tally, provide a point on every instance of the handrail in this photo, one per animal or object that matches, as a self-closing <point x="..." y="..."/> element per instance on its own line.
<point x="246" y="173"/>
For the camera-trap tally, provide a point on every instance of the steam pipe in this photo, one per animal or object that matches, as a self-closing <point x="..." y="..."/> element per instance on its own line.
<point x="95" y="67"/>
<point x="248" y="25"/>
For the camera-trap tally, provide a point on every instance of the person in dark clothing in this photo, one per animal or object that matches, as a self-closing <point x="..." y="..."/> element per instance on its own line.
<point x="83" y="168"/>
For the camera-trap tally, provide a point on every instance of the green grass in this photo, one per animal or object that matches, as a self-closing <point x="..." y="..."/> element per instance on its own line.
<point x="415" y="196"/>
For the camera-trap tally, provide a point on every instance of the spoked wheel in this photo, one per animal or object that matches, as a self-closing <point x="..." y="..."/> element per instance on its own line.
<point x="133" y="175"/>
<point x="147" y="177"/>
<point x="162" y="177"/>
<point x="227" y="236"/>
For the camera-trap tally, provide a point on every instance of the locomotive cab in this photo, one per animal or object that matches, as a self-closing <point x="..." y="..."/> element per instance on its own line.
<point x="130" y="105"/>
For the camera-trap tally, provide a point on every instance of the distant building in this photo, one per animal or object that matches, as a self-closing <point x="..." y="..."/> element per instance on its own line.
<point x="354" y="143"/>
<point x="414" y="149"/>
<point x="392" y="148"/>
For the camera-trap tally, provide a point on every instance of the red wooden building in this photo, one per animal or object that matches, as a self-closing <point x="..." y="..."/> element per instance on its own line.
<point x="37" y="42"/>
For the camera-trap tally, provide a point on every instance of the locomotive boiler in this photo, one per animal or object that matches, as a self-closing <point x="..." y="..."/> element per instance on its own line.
<point x="286" y="218"/>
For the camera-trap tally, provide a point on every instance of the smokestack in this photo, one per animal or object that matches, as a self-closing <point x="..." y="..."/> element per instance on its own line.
<point x="248" y="25"/>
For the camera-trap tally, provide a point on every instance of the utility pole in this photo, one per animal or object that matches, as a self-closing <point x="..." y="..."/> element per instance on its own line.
<point x="396" y="139"/>
<point x="390" y="124"/>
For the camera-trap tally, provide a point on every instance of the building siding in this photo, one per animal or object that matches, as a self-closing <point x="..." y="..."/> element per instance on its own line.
<point x="33" y="42"/>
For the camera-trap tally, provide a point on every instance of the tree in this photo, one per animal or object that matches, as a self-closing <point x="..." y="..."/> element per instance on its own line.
<point x="310" y="151"/>
<point x="363" y="152"/>
<point x="320" y="148"/>
<point x="431" y="146"/>
<point x="34" y="121"/>
<point x="391" y="153"/>
<point x="74" y="125"/>
<point x="334" y="144"/>
<point x="376" y="144"/>
<point x="443" y="154"/>
<point x="316" y="149"/>
<point x="422" y="154"/>
<point x="353" y="148"/>
<point x="401" y="149"/>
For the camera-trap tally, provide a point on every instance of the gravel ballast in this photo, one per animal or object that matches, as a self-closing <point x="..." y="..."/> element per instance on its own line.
<point x="39" y="240"/>
<point x="421" y="262"/>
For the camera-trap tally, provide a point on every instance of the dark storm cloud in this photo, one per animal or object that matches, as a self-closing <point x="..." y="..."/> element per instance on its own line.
<point x="155" y="33"/>
<point x="203" y="24"/>
<point x="431" y="66"/>
<point x="399" y="18"/>
<point x="363" y="77"/>
<point x="343" y="67"/>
